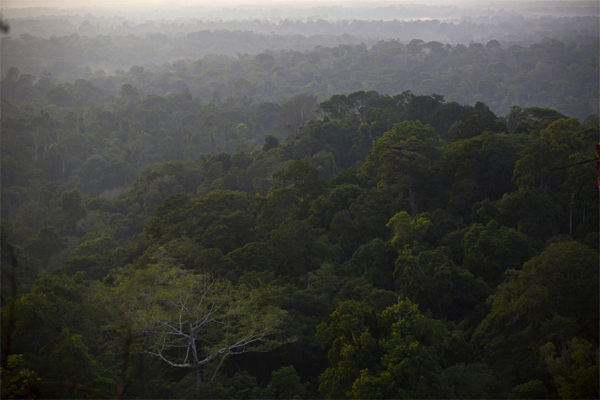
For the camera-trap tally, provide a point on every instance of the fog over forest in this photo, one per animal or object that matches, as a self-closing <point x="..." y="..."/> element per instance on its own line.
<point x="82" y="42"/>
<point x="299" y="199"/>
<point x="179" y="19"/>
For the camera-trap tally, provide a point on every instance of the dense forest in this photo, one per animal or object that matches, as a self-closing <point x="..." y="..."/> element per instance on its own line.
<point x="409" y="217"/>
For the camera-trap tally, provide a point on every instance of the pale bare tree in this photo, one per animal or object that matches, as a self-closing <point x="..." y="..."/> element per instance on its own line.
<point x="188" y="319"/>
<point x="298" y="111"/>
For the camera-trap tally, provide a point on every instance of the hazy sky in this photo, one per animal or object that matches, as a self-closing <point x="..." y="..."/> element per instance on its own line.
<point x="91" y="3"/>
<point x="210" y="3"/>
<point x="77" y="3"/>
<point x="68" y="3"/>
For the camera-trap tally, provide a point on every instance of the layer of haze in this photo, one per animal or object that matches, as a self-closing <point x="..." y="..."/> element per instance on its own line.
<point x="103" y="3"/>
<point x="275" y="10"/>
<point x="120" y="4"/>
<point x="204" y="3"/>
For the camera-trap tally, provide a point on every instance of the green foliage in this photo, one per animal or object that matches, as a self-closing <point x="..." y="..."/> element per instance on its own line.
<point x="294" y="240"/>
<point x="402" y="162"/>
<point x="68" y="359"/>
<point x="575" y="370"/>
<point x="183" y="307"/>
<point x="94" y="257"/>
<point x="433" y="281"/>
<point x="285" y="384"/>
<point x="302" y="177"/>
<point x="408" y="231"/>
<point x="371" y="213"/>
<point x="221" y="219"/>
<point x="36" y="323"/>
<point x="481" y="167"/>
<point x="271" y="142"/>
<point x="256" y="257"/>
<point x="347" y="357"/>
<point x="553" y="298"/>
<point x="534" y="389"/>
<point x="325" y="208"/>
<point x="44" y="244"/>
<point x="404" y="131"/>
<point x="470" y="381"/>
<point x="205" y="230"/>
<point x="475" y="123"/>
<point x="18" y="381"/>
<point x="241" y="386"/>
<point x="98" y="246"/>
<point x="374" y="261"/>
<point x="531" y="119"/>
<point x="280" y="205"/>
<point x="395" y="354"/>
<point x="531" y="212"/>
<point x="492" y="249"/>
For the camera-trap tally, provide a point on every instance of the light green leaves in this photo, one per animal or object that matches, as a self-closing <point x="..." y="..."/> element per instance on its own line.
<point x="188" y="319"/>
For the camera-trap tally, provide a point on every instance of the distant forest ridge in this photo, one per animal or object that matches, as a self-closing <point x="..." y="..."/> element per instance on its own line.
<point x="362" y="25"/>
<point x="559" y="74"/>
<point x="331" y="11"/>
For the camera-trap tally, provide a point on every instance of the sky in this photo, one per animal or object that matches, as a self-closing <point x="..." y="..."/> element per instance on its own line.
<point x="95" y="3"/>
<point x="72" y="3"/>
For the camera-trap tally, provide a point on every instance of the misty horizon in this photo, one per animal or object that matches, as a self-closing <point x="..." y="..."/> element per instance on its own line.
<point x="284" y="8"/>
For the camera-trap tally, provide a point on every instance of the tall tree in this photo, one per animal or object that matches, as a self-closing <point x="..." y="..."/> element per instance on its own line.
<point x="402" y="161"/>
<point x="298" y="111"/>
<point x="188" y="320"/>
<point x="553" y="298"/>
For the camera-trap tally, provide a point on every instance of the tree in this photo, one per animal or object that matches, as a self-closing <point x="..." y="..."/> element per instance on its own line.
<point x="534" y="389"/>
<point x="72" y="205"/>
<point x="55" y="326"/>
<point x="280" y="204"/>
<point x="492" y="249"/>
<point x="67" y="359"/>
<point x="267" y="114"/>
<point x="575" y="371"/>
<point x="537" y="167"/>
<point x="524" y="120"/>
<point x="407" y="230"/>
<point x="402" y="161"/>
<point x="475" y="123"/>
<point x="285" y="384"/>
<point x="373" y="261"/>
<point x="270" y="142"/>
<point x="93" y="256"/>
<point x="59" y="96"/>
<point x="398" y="353"/>
<point x="561" y="144"/>
<point x="371" y="212"/>
<point x="326" y="206"/>
<point x="436" y="283"/>
<point x="552" y="299"/>
<point x="300" y="174"/>
<point x="354" y="105"/>
<point x="295" y="240"/>
<point x="256" y="256"/>
<point x="350" y="320"/>
<point x="298" y="111"/>
<point x="188" y="320"/>
<point x="481" y="167"/>
<point x="44" y="244"/>
<point x="17" y="380"/>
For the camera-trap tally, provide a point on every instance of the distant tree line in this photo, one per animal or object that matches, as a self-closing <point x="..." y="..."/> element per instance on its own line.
<point x="553" y="74"/>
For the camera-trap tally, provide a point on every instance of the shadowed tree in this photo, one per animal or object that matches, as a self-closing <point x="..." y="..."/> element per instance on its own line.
<point x="44" y="244"/>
